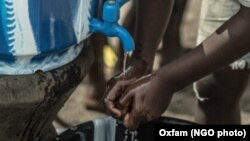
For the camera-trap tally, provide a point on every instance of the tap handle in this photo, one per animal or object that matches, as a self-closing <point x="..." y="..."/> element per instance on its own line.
<point x="111" y="11"/>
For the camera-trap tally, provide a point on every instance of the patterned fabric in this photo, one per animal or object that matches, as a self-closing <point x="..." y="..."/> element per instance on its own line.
<point x="42" y="34"/>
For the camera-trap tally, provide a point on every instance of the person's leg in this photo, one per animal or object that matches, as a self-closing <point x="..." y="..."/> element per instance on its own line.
<point x="171" y="43"/>
<point x="96" y="75"/>
<point x="218" y="94"/>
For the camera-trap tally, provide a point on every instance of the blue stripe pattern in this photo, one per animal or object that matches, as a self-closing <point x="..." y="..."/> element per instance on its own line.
<point x="7" y="26"/>
<point x="52" y="24"/>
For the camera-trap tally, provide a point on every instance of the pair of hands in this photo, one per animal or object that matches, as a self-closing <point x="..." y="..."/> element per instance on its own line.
<point x="134" y="97"/>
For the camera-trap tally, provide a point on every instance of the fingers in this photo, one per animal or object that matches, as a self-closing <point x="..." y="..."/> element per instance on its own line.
<point x="112" y="109"/>
<point x="112" y="97"/>
<point x="116" y="91"/>
<point x="126" y="102"/>
<point x="133" y="90"/>
<point x="133" y="119"/>
<point x="127" y="99"/>
<point x="111" y="83"/>
<point x="114" y="80"/>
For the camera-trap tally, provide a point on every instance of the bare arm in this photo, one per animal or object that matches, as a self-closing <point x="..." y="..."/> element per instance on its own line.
<point x="149" y="100"/>
<point x="228" y="43"/>
<point x="153" y="15"/>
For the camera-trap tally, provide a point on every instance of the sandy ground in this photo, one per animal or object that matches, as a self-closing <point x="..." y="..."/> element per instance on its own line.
<point x="183" y="103"/>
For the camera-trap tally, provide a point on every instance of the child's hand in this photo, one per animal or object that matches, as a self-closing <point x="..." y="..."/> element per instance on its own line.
<point x="118" y="84"/>
<point x="113" y="96"/>
<point x="136" y="70"/>
<point x="145" y="100"/>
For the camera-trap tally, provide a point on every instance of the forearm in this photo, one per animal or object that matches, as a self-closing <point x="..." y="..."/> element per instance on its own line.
<point x="228" y="43"/>
<point x="152" y="17"/>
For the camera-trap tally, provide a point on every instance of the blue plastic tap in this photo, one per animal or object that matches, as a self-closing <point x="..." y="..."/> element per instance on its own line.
<point x="110" y="27"/>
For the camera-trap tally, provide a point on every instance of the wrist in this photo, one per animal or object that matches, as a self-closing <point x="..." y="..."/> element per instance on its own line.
<point x="141" y="65"/>
<point x="143" y="58"/>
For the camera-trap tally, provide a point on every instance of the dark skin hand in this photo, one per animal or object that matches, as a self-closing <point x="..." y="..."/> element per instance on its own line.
<point x="143" y="56"/>
<point x="150" y="99"/>
<point x="138" y="69"/>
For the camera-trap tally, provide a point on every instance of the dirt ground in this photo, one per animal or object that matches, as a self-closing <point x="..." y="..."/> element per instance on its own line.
<point x="183" y="103"/>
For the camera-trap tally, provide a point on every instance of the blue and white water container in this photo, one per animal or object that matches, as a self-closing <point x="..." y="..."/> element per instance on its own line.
<point x="42" y="34"/>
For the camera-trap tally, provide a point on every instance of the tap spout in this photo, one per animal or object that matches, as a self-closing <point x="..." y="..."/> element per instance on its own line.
<point x="113" y="30"/>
